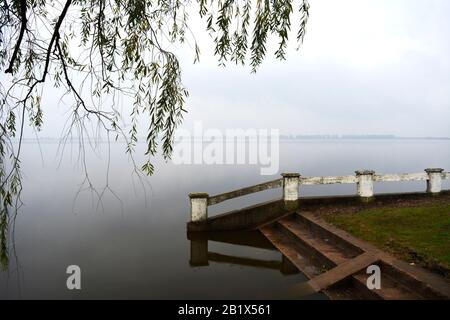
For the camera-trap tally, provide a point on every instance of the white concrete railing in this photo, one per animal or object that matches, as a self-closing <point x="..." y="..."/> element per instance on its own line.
<point x="290" y="182"/>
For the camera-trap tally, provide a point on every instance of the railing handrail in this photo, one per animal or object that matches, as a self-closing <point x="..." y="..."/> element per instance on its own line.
<point x="315" y="180"/>
<point x="420" y="176"/>
<point x="245" y="191"/>
<point x="319" y="180"/>
<point x="291" y="182"/>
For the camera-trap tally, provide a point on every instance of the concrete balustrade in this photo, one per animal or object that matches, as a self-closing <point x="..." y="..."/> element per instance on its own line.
<point x="364" y="184"/>
<point x="291" y="182"/>
<point x="199" y="206"/>
<point x="434" y="181"/>
<point x="290" y="186"/>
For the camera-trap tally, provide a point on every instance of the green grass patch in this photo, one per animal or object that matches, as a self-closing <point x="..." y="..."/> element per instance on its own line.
<point x="417" y="234"/>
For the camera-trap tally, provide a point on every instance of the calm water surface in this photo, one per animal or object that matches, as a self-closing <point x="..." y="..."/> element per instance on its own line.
<point x="133" y="244"/>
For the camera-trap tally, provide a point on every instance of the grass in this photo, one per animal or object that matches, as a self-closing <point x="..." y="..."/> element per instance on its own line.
<point x="419" y="234"/>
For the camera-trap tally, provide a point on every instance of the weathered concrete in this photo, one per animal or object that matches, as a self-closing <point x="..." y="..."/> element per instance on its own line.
<point x="434" y="182"/>
<point x="421" y="176"/>
<point x="291" y="182"/>
<point x="243" y="219"/>
<point x="342" y="271"/>
<point x="327" y="180"/>
<point x="422" y="283"/>
<point x="252" y="217"/>
<point x="199" y="206"/>
<point x="244" y="191"/>
<point x="290" y="186"/>
<point x="365" y="183"/>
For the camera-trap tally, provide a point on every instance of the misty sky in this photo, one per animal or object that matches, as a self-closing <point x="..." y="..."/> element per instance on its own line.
<point x="366" y="67"/>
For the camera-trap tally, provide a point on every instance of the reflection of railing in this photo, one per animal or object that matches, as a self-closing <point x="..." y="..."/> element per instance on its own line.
<point x="201" y="256"/>
<point x="244" y="261"/>
<point x="290" y="182"/>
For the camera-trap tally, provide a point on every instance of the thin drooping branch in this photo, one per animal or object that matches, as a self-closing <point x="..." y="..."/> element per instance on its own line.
<point x="101" y="8"/>
<point x="71" y="86"/>
<point x="23" y="27"/>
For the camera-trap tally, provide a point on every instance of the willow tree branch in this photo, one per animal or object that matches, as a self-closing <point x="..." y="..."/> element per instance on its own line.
<point x="50" y="47"/>
<point x="54" y="37"/>
<point x="23" y="27"/>
<point x="72" y="88"/>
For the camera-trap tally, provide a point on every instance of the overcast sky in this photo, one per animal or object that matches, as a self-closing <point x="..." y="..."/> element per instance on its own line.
<point x="366" y="67"/>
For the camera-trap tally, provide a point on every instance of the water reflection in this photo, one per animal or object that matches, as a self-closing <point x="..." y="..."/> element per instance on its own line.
<point x="141" y="252"/>
<point x="201" y="256"/>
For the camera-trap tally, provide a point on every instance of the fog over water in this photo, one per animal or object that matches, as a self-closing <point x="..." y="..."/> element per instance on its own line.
<point x="133" y="248"/>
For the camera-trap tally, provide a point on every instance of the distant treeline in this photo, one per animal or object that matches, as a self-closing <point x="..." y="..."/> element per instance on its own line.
<point x="355" y="136"/>
<point x="282" y="137"/>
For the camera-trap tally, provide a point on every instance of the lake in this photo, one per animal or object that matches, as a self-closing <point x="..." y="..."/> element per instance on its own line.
<point x="133" y="244"/>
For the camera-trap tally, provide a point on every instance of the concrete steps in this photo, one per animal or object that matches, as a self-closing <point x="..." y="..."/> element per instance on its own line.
<point x="336" y="263"/>
<point x="321" y="245"/>
<point x="299" y="255"/>
<point x="310" y="264"/>
<point x="426" y="284"/>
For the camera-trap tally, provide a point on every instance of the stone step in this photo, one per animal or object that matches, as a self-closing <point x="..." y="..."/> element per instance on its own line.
<point x="342" y="271"/>
<point x="297" y="255"/>
<point x="331" y="237"/>
<point x="390" y="288"/>
<point x="306" y="261"/>
<point x="321" y="245"/>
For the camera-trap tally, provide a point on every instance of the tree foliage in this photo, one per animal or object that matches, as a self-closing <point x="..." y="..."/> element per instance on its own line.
<point x="98" y="51"/>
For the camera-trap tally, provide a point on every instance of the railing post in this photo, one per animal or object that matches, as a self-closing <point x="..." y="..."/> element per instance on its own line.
<point x="434" y="181"/>
<point x="365" y="183"/>
<point x="199" y="206"/>
<point x="290" y="186"/>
